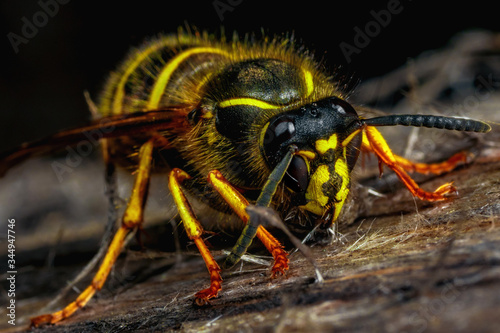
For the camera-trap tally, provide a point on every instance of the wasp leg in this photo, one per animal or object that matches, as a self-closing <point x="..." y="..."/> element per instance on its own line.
<point x="425" y="168"/>
<point x="374" y="142"/>
<point x="132" y="219"/>
<point x="433" y="168"/>
<point x="238" y="203"/>
<point x="194" y="231"/>
<point x="110" y="183"/>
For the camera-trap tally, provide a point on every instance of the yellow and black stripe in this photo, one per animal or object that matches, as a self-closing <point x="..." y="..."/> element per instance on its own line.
<point x="235" y="87"/>
<point x="175" y="70"/>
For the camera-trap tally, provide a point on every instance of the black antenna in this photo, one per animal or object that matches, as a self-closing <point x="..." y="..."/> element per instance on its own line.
<point x="457" y="124"/>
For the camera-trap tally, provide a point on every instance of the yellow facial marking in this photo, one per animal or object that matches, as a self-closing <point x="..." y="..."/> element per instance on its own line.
<point x="306" y="154"/>
<point x="248" y="101"/>
<point x="323" y="145"/>
<point x="316" y="199"/>
<point x="166" y="73"/>
<point x="342" y="170"/>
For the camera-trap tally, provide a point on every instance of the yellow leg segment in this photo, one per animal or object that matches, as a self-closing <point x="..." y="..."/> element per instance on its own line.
<point x="374" y="142"/>
<point x="132" y="219"/>
<point x="194" y="231"/>
<point x="238" y="203"/>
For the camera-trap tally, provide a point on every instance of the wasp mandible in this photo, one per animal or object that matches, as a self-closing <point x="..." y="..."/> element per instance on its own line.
<point x="235" y="123"/>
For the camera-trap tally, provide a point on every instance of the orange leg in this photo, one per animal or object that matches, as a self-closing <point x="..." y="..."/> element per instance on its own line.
<point x="374" y="142"/>
<point x="238" y="203"/>
<point x="194" y="231"/>
<point x="132" y="219"/>
<point x="433" y="168"/>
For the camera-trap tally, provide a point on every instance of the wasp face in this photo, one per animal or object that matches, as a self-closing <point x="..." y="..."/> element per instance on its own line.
<point x="324" y="134"/>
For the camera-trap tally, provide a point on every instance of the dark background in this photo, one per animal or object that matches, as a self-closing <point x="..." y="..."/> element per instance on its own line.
<point x="42" y="85"/>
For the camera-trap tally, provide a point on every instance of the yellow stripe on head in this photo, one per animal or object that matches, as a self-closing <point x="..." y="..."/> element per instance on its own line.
<point x="249" y="102"/>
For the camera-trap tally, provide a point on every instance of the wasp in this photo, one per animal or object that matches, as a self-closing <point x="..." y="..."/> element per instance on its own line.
<point x="236" y="124"/>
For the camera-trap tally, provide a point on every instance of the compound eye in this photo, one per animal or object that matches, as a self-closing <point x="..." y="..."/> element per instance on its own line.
<point x="283" y="130"/>
<point x="343" y="107"/>
<point x="297" y="175"/>
<point x="277" y="138"/>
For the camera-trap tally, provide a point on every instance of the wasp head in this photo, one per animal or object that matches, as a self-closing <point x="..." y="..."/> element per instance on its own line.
<point x="325" y="136"/>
